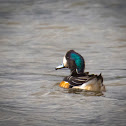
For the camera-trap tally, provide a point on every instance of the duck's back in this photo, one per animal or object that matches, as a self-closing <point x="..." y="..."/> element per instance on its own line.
<point x="78" y="80"/>
<point x="87" y="82"/>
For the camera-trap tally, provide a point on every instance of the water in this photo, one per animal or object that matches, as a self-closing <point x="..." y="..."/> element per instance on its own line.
<point x="34" y="37"/>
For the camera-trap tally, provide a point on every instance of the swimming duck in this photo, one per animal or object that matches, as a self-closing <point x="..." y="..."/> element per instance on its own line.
<point x="78" y="78"/>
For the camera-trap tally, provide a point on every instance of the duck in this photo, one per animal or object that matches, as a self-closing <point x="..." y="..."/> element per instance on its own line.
<point x="79" y="79"/>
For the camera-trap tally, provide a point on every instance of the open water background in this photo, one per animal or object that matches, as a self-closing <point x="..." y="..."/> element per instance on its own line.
<point x="34" y="37"/>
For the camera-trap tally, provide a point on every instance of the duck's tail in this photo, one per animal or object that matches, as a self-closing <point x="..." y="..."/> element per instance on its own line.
<point x="100" y="82"/>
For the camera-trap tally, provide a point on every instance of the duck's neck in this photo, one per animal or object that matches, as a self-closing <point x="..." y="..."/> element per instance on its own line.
<point x="74" y="73"/>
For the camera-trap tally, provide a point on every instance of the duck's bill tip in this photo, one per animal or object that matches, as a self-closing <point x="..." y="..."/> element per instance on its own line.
<point x="59" y="67"/>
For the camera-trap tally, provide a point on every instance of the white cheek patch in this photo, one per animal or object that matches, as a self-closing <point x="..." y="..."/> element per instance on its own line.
<point x="65" y="62"/>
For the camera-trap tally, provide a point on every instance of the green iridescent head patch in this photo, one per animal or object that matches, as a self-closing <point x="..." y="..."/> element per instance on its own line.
<point x="79" y="61"/>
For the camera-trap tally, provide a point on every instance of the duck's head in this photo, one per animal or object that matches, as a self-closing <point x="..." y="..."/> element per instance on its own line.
<point x="74" y="62"/>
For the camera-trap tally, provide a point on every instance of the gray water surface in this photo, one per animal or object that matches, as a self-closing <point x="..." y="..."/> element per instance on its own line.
<point x="34" y="37"/>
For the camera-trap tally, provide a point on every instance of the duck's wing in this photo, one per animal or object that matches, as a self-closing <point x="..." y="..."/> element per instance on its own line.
<point x="78" y="80"/>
